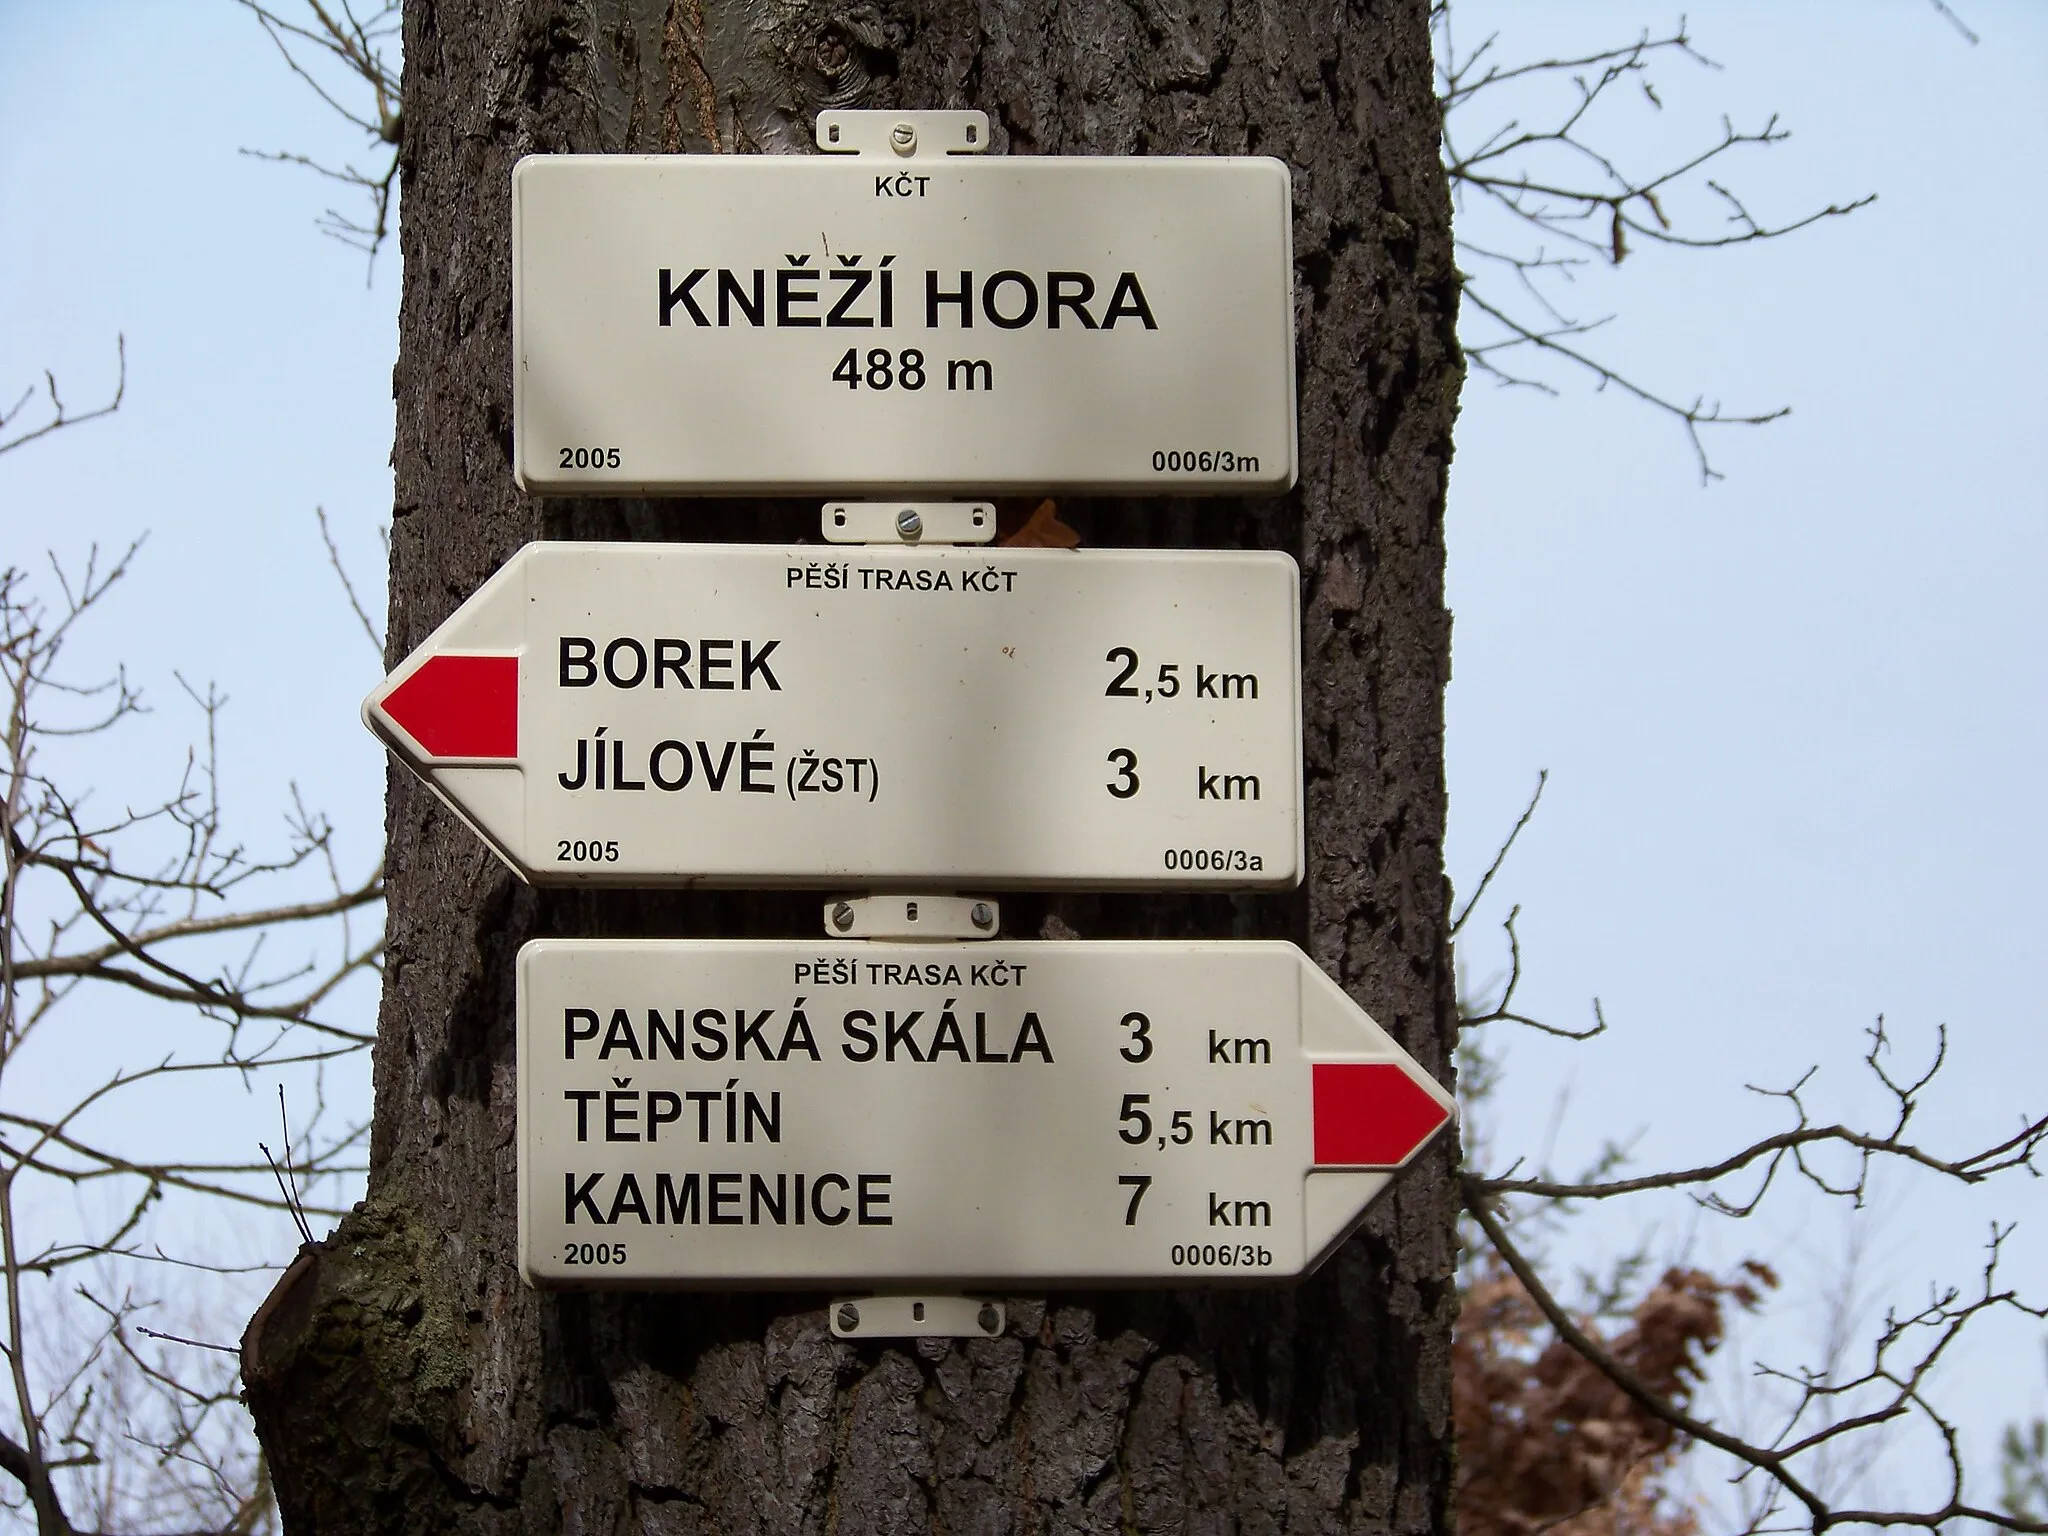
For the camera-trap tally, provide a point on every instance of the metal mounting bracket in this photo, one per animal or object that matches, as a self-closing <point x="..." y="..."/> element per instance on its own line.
<point x="912" y="917"/>
<point x="899" y="136"/>
<point x="908" y="522"/>
<point x="916" y="1317"/>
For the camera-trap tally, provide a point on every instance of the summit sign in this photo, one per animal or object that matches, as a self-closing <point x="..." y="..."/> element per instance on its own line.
<point x="845" y="324"/>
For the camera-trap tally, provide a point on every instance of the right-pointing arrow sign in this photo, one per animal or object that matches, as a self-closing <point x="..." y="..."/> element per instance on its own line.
<point x="1371" y="1113"/>
<point x="750" y="1112"/>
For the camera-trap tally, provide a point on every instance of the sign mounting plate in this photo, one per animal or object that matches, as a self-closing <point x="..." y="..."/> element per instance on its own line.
<point x="776" y="1113"/>
<point x="888" y="716"/>
<point x="856" y="324"/>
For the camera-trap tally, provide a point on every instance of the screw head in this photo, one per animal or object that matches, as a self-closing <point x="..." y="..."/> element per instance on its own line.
<point x="903" y="138"/>
<point x="842" y="917"/>
<point x="983" y="915"/>
<point x="849" y="1316"/>
<point x="988" y="1318"/>
<point x="909" y="524"/>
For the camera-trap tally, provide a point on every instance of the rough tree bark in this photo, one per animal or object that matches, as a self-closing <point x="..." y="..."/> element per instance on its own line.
<point x="402" y="1376"/>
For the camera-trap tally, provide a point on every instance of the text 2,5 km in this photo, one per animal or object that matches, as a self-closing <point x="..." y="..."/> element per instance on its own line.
<point x="1207" y="682"/>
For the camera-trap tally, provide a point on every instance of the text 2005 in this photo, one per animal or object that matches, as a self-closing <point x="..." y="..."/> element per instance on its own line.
<point x="592" y="852"/>
<point x="589" y="458"/>
<point x="593" y="1253"/>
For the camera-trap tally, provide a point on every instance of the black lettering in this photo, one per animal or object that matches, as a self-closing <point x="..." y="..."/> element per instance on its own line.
<point x="752" y="661"/>
<point x="619" y="779"/>
<point x="900" y="1034"/>
<point x="582" y="1098"/>
<point x="1031" y="1037"/>
<point x="676" y="1203"/>
<point x="672" y="296"/>
<point x="579" y="661"/>
<point x="752" y="305"/>
<point x="1024" y="316"/>
<point x="758" y="1199"/>
<point x="582" y="765"/>
<point x="1128" y="299"/>
<point x="797" y="1037"/>
<point x="722" y="1197"/>
<point x="716" y="777"/>
<point x="745" y="1029"/>
<point x="571" y="1018"/>
<point x="963" y="300"/>
<point x="829" y="1218"/>
<point x="662" y="750"/>
<point x="981" y="1050"/>
<point x="621" y="1111"/>
<point x="857" y="282"/>
<point x="873" y="1201"/>
<point x="628" y="1198"/>
<point x="659" y="1033"/>
<point x="707" y="664"/>
<point x="576" y="1195"/>
<point x="787" y="298"/>
<point x="768" y="1118"/>
<point x="657" y="1101"/>
<point x="672" y="658"/>
<point x="618" y="1036"/>
<point x="947" y="1038"/>
<point x="709" y="1022"/>
<point x="1057" y="298"/>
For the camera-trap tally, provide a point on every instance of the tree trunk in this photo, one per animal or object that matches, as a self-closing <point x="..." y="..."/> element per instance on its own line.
<point x="402" y="1376"/>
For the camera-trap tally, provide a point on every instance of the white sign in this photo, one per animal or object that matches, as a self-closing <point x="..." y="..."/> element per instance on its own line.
<point x="842" y="324"/>
<point x="744" y="1112"/>
<point x="634" y="714"/>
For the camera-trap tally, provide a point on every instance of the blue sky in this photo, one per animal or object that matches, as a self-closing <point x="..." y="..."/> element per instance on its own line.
<point x="1793" y="721"/>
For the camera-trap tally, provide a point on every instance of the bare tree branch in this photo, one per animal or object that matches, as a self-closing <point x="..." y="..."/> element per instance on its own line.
<point x="1522" y="190"/>
<point x="1500" y="856"/>
<point x="1944" y="1318"/>
<point x="162" y="904"/>
<point x="343" y="57"/>
<point x="60" y="415"/>
<point x="2017" y="1151"/>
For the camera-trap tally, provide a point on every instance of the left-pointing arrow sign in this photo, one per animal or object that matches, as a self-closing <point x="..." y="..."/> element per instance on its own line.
<point x="680" y="714"/>
<point x="457" y="707"/>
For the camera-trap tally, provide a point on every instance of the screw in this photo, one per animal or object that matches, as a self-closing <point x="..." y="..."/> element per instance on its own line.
<point x="983" y="915"/>
<point x="903" y="138"/>
<point x="988" y="1318"/>
<point x="849" y="1317"/>
<point x="842" y="916"/>
<point x="909" y="524"/>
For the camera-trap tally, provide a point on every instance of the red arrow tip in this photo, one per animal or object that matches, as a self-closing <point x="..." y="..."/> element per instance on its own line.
<point x="1370" y="1113"/>
<point x="460" y="706"/>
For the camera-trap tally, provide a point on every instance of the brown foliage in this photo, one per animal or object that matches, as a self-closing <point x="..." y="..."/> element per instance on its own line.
<point x="1546" y="1442"/>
